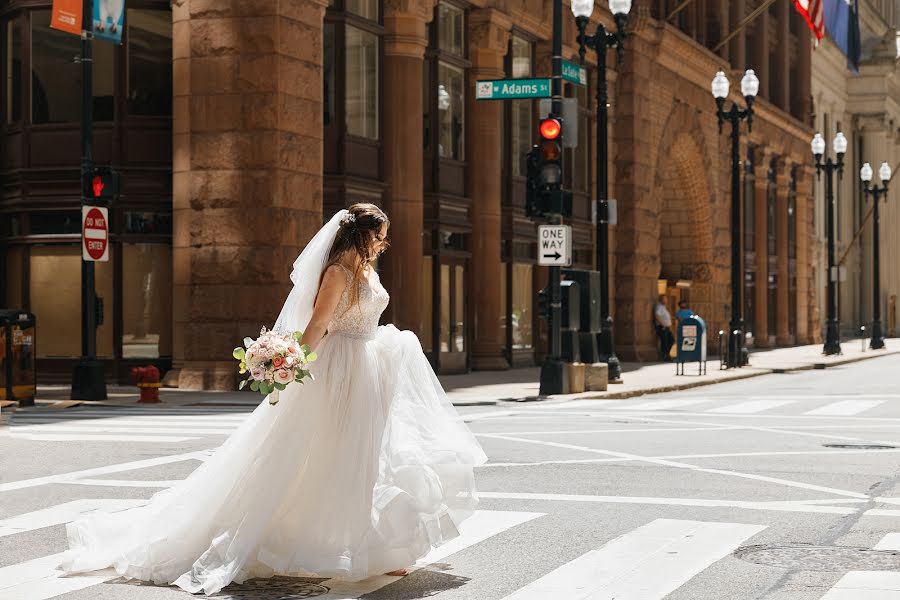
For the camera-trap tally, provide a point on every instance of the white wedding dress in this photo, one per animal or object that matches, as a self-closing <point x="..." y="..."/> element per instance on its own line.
<point x="354" y="474"/>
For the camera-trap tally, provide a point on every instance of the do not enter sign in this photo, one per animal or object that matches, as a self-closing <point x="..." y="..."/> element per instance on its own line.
<point x="94" y="233"/>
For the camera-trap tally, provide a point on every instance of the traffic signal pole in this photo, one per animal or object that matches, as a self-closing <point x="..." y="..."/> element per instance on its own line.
<point x="88" y="381"/>
<point x="553" y="371"/>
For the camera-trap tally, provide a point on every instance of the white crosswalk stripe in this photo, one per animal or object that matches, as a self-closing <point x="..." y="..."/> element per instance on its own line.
<point x="663" y="404"/>
<point x="871" y="585"/>
<point x="646" y="564"/>
<point x="845" y="408"/>
<point x="750" y="407"/>
<point x="114" y="424"/>
<point x="39" y="579"/>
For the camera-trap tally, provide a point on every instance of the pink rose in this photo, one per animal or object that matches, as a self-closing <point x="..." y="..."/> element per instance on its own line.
<point x="258" y="373"/>
<point x="277" y="361"/>
<point x="284" y="376"/>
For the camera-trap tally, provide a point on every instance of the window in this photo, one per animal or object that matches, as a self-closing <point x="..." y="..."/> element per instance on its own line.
<point x="56" y="77"/>
<point x="58" y="268"/>
<point x="367" y="9"/>
<point x="361" y="83"/>
<point x="451" y="104"/>
<point x="328" y="93"/>
<point x="13" y="70"/>
<point x="577" y="160"/>
<point x="450" y="30"/>
<point x="149" y="62"/>
<point x="146" y="300"/>
<point x="522" y="306"/>
<point x="522" y="110"/>
<point x="427" y="330"/>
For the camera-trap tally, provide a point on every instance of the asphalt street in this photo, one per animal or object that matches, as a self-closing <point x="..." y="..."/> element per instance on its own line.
<point x="781" y="487"/>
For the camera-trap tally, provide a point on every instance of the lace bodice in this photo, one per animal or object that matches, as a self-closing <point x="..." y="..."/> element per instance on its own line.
<point x="360" y="320"/>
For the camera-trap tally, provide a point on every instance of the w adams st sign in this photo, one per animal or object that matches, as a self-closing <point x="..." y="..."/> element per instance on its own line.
<point x="510" y="89"/>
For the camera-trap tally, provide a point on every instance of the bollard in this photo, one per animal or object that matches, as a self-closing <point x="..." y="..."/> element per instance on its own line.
<point x="576" y="377"/>
<point x="596" y="377"/>
<point x="862" y="337"/>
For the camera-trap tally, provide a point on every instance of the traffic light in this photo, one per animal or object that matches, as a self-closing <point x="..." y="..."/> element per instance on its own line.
<point x="551" y="154"/>
<point x="543" y="192"/>
<point x="101" y="183"/>
<point x="543" y="310"/>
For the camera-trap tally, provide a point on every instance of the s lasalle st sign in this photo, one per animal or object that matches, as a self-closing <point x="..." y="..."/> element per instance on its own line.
<point x="510" y="89"/>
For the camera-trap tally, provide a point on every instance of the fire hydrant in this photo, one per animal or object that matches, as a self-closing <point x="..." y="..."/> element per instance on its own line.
<point x="147" y="378"/>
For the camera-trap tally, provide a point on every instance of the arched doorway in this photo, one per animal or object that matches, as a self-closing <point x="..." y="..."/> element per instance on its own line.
<point x="685" y="226"/>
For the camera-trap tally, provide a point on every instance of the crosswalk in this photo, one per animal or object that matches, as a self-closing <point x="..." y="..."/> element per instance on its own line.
<point x="124" y="424"/>
<point x="647" y="562"/>
<point x="786" y="406"/>
<point x="179" y="424"/>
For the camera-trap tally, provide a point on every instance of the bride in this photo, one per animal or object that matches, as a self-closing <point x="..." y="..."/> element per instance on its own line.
<point x="356" y="473"/>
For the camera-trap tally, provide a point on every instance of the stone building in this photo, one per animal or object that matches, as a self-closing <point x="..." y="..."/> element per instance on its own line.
<point x="866" y="107"/>
<point x="239" y="126"/>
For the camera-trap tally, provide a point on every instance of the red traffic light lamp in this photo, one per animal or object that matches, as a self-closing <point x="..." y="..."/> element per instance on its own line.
<point x="550" y="129"/>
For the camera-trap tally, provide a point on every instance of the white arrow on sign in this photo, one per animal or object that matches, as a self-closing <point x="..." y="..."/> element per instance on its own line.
<point x="555" y="245"/>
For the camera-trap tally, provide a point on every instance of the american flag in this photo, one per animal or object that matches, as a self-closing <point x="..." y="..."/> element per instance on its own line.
<point x="813" y="12"/>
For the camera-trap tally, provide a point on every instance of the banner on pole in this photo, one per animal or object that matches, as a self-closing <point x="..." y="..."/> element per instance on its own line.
<point x="66" y="16"/>
<point x="108" y="17"/>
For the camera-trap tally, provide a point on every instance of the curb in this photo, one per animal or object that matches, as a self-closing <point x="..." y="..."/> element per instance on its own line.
<point x="748" y="375"/>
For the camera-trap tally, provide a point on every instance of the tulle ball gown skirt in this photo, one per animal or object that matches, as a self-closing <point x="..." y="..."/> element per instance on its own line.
<point x="354" y="474"/>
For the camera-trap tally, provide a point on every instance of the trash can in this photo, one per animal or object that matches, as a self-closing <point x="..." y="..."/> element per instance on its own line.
<point x="691" y="344"/>
<point x="17" y="370"/>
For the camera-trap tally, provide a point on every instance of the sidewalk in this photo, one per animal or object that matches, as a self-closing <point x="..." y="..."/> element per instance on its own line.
<point x="520" y="385"/>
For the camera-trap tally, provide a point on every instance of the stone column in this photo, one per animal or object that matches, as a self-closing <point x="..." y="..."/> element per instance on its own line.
<point x="760" y="218"/>
<point x="782" y="330"/>
<point x="488" y="41"/>
<point x="405" y="40"/>
<point x="637" y="239"/>
<point x="760" y="54"/>
<point x="784" y="58"/>
<point x="808" y="330"/>
<point x="737" y="47"/>
<point x="802" y="91"/>
<point x="247" y="172"/>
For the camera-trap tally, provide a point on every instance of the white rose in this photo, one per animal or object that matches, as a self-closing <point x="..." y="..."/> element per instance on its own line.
<point x="284" y="376"/>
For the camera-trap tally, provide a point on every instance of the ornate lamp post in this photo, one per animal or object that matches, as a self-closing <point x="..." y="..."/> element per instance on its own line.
<point x="866" y="175"/>
<point x="600" y="41"/>
<point x="736" y="354"/>
<point x="832" y="329"/>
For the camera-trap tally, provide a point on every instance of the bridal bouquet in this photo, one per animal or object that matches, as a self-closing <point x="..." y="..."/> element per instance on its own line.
<point x="274" y="360"/>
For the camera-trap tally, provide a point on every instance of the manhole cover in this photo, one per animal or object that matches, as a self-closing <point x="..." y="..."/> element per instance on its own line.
<point x="821" y="558"/>
<point x="861" y="446"/>
<point x="276" y="588"/>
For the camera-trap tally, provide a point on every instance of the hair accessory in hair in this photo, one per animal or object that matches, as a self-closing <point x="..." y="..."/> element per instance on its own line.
<point x="348" y="218"/>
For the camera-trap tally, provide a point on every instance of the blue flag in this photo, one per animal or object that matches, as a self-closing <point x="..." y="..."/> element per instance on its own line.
<point x="842" y="24"/>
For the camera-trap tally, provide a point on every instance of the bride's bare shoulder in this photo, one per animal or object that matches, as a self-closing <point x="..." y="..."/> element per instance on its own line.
<point x="335" y="276"/>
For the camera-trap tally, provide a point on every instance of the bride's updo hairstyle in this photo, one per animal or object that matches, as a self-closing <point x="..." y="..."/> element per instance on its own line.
<point x="357" y="233"/>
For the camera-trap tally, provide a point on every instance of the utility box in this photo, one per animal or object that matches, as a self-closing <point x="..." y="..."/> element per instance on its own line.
<point x="691" y="344"/>
<point x="18" y="377"/>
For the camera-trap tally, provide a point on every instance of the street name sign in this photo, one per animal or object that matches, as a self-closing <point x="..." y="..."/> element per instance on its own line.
<point x="510" y="89"/>
<point x="555" y="245"/>
<point x="574" y="73"/>
<point x="95" y="233"/>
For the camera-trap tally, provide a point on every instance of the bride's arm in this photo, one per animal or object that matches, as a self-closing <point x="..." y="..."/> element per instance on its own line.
<point x="333" y="283"/>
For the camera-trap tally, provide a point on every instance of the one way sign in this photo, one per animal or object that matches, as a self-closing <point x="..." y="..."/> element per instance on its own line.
<point x="555" y="245"/>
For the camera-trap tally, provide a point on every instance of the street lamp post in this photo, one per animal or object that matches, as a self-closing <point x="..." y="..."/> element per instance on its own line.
<point x="832" y="329"/>
<point x="736" y="354"/>
<point x="866" y="175"/>
<point x="600" y="42"/>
